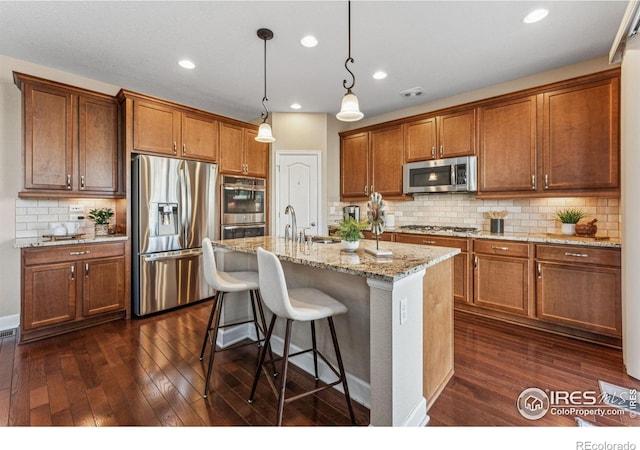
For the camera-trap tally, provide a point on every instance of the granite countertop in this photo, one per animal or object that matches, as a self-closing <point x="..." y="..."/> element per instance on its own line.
<point x="406" y="259"/>
<point x="47" y="242"/>
<point x="523" y="237"/>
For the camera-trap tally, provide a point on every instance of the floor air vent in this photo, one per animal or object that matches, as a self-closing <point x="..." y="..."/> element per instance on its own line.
<point x="8" y="333"/>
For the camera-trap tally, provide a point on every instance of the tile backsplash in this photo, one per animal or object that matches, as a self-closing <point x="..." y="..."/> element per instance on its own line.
<point x="536" y="215"/>
<point x="33" y="216"/>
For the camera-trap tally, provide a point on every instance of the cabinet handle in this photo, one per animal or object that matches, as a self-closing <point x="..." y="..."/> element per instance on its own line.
<point x="68" y="181"/>
<point x="539" y="271"/>
<point x="546" y="181"/>
<point x="533" y="182"/>
<point x="366" y="190"/>
<point x="475" y="262"/>
<point x="73" y="272"/>
<point x="506" y="249"/>
<point x="429" y="242"/>
<point x="184" y="149"/>
<point x="433" y="152"/>
<point x="372" y="191"/>
<point x="86" y="270"/>
<point x="86" y="252"/>
<point x="441" y="150"/>
<point x="577" y="255"/>
<point x="175" y="147"/>
<point x="82" y="182"/>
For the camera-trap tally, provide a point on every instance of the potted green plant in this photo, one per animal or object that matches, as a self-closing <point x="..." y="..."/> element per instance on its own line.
<point x="350" y="231"/>
<point x="101" y="218"/>
<point x="569" y="217"/>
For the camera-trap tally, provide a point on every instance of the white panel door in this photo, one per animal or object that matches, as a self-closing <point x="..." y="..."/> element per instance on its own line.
<point x="298" y="184"/>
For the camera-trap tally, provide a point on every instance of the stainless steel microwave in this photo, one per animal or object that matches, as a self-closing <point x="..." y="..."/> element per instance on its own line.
<point x="440" y="175"/>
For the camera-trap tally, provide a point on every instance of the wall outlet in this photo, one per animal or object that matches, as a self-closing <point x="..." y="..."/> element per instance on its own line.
<point x="75" y="208"/>
<point x="403" y="311"/>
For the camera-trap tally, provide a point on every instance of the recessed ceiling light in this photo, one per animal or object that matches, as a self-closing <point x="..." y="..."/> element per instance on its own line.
<point x="535" y="16"/>
<point x="295" y="106"/>
<point x="186" y="64"/>
<point x="380" y="75"/>
<point x="309" y="41"/>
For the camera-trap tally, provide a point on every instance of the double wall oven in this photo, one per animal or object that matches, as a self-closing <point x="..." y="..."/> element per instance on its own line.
<point x="243" y="204"/>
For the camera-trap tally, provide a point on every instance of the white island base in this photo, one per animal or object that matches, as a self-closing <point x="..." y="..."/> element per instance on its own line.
<point x="396" y="339"/>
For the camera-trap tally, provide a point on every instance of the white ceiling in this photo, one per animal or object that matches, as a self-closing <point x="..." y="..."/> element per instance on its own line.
<point x="445" y="47"/>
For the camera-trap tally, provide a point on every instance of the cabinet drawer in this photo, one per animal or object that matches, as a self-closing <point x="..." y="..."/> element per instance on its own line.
<point x="504" y="248"/>
<point x="426" y="239"/>
<point x="32" y="256"/>
<point x="584" y="255"/>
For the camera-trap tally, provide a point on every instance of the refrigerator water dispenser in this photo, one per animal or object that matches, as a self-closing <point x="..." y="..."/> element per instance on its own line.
<point x="166" y="219"/>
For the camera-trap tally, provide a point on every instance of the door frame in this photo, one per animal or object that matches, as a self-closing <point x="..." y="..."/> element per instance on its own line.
<point x="276" y="183"/>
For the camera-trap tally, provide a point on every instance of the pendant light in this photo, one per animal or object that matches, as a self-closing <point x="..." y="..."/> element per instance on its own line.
<point x="350" y="109"/>
<point x="264" y="131"/>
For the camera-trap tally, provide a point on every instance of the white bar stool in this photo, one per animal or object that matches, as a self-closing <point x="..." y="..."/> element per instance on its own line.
<point x="305" y="304"/>
<point x="224" y="282"/>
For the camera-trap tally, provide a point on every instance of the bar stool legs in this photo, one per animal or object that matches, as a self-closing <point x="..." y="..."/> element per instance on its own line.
<point x="212" y="332"/>
<point x="285" y="364"/>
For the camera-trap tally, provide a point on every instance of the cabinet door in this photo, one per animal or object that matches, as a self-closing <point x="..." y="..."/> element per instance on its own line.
<point x="48" y="138"/>
<point x="501" y="283"/>
<point x="581" y="137"/>
<point x="199" y="137"/>
<point x="457" y="134"/>
<point x="103" y="285"/>
<point x="420" y="140"/>
<point x="354" y="166"/>
<point x="49" y="295"/>
<point x="156" y="128"/>
<point x="507" y="156"/>
<point x="257" y="155"/>
<point x="586" y="297"/>
<point x="386" y="158"/>
<point x="231" y="149"/>
<point x="98" y="145"/>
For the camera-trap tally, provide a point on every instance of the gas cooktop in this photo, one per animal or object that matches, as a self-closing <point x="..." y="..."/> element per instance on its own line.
<point x="439" y="228"/>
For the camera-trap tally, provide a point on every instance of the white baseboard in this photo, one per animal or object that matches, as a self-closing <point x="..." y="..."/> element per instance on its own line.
<point x="9" y="322"/>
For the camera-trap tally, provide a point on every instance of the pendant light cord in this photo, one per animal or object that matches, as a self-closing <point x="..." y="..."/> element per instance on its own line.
<point x="265" y="114"/>
<point x="349" y="58"/>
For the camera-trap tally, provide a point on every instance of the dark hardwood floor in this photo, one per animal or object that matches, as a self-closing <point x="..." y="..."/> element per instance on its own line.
<point x="146" y="372"/>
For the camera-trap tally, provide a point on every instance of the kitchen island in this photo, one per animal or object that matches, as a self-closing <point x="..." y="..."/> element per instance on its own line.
<point x="397" y="337"/>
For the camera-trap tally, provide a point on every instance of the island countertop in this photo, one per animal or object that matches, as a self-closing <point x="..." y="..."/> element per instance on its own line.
<point x="406" y="260"/>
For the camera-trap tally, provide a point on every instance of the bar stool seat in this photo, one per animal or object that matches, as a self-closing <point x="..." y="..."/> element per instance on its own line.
<point x="223" y="283"/>
<point x="302" y="304"/>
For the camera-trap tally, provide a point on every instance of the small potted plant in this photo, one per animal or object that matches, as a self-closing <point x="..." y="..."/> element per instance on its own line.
<point x="350" y="231"/>
<point x="101" y="218"/>
<point x="569" y="218"/>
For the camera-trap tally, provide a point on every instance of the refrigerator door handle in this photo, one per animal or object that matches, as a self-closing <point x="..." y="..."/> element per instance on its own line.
<point x="172" y="255"/>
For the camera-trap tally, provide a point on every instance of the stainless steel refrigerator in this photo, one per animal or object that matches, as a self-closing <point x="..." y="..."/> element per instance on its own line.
<point x="173" y="208"/>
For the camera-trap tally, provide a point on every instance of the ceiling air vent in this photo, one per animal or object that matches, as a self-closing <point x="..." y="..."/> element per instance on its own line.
<point x="413" y="92"/>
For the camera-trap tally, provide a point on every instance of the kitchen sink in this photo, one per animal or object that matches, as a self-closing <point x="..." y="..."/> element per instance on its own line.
<point x="324" y="240"/>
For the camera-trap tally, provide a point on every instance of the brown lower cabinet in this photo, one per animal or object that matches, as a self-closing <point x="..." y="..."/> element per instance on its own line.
<point x="579" y="287"/>
<point x="68" y="287"/>
<point x="565" y="289"/>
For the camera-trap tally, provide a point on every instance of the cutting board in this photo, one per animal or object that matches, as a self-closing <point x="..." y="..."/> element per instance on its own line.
<point x="575" y="237"/>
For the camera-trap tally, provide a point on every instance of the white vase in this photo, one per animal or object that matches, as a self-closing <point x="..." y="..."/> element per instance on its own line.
<point x="350" y="246"/>
<point x="569" y="229"/>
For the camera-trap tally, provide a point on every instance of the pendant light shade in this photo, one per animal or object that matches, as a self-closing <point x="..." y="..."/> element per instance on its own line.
<point x="350" y="107"/>
<point x="264" y="131"/>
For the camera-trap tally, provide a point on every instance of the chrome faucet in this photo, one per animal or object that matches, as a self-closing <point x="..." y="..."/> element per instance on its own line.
<point x="294" y="226"/>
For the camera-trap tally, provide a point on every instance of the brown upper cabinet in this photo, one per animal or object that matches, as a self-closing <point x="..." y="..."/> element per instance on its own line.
<point x="70" y="139"/>
<point x="444" y="136"/>
<point x="165" y="130"/>
<point x="372" y="162"/>
<point x="562" y="141"/>
<point x="241" y="154"/>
